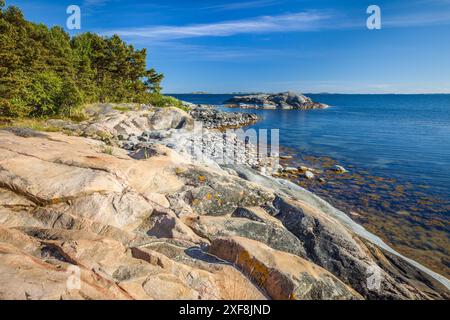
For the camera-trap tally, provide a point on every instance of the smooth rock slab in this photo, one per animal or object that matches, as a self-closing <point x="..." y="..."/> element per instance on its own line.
<point x="275" y="236"/>
<point x="282" y="275"/>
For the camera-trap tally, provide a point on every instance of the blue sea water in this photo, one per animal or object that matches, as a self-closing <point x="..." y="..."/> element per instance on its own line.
<point x="401" y="136"/>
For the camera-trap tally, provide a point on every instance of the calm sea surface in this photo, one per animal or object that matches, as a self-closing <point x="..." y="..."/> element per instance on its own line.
<point x="399" y="136"/>
<point x="397" y="150"/>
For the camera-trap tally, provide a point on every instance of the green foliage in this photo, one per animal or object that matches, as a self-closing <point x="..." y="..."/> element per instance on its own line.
<point x="108" y="150"/>
<point x="43" y="94"/>
<point x="121" y="109"/>
<point x="44" y="72"/>
<point x="35" y="124"/>
<point x="153" y="81"/>
<point x="161" y="101"/>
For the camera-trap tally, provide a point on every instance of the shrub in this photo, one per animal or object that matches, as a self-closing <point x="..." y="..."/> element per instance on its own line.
<point x="161" y="101"/>
<point x="69" y="100"/>
<point x="16" y="108"/>
<point x="44" y="94"/>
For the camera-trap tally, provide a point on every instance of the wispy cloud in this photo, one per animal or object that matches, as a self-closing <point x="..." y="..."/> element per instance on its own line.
<point x="95" y="3"/>
<point x="312" y="20"/>
<point x="193" y="52"/>
<point x="242" y="5"/>
<point x="301" y="21"/>
<point x="420" y="19"/>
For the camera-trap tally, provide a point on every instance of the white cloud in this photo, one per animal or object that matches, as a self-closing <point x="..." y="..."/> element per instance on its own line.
<point x="421" y="19"/>
<point x="302" y="21"/>
<point x="242" y="5"/>
<point x="93" y="3"/>
<point x="191" y="52"/>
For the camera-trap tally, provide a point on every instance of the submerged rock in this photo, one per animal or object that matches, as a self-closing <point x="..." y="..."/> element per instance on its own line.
<point x="290" y="170"/>
<point x="339" y="169"/>
<point x="309" y="175"/>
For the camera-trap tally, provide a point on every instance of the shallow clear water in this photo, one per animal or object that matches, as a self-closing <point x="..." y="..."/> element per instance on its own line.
<point x="401" y="136"/>
<point x="397" y="150"/>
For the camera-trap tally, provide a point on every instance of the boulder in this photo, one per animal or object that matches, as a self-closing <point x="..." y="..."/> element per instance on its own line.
<point x="168" y="118"/>
<point x="309" y="175"/>
<point x="338" y="169"/>
<point x="25" y="277"/>
<point x="109" y="124"/>
<point x="291" y="170"/>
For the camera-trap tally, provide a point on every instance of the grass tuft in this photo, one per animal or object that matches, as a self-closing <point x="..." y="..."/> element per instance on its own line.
<point x="35" y="124"/>
<point x="161" y="101"/>
<point x="108" y="150"/>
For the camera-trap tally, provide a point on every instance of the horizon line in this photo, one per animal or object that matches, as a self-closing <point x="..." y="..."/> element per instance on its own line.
<point x="306" y="93"/>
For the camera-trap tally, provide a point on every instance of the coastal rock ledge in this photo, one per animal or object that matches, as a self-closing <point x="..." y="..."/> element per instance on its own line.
<point x="284" y="100"/>
<point x="82" y="219"/>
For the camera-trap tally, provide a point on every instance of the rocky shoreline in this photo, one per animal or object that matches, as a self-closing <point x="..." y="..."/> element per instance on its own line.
<point x="149" y="221"/>
<point x="390" y="207"/>
<point x="212" y="118"/>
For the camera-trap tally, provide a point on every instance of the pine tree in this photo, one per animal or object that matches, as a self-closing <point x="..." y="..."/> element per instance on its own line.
<point x="43" y="72"/>
<point x="153" y="81"/>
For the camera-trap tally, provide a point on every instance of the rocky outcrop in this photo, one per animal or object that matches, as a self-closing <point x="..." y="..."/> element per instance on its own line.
<point x="112" y="123"/>
<point x="335" y="242"/>
<point x="281" y="275"/>
<point x="215" y="119"/>
<point x="80" y="219"/>
<point x="71" y="205"/>
<point x="332" y="246"/>
<point x="275" y="236"/>
<point x="285" y="100"/>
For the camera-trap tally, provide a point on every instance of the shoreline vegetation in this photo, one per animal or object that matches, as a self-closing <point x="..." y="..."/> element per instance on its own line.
<point x="96" y="175"/>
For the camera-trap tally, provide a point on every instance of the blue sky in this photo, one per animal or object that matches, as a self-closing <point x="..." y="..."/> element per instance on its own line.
<point x="267" y="45"/>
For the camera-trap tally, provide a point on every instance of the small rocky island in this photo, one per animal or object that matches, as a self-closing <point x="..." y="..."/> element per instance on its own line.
<point x="284" y="100"/>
